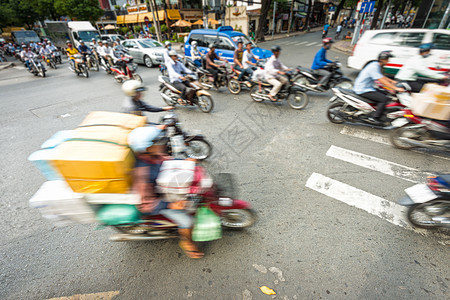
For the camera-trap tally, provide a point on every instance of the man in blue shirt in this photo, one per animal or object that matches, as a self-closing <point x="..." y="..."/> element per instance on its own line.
<point x="321" y="61"/>
<point x="84" y="50"/>
<point x="325" y="29"/>
<point x="364" y="84"/>
<point x="177" y="72"/>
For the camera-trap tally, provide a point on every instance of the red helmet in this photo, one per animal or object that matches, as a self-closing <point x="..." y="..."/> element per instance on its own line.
<point x="327" y="40"/>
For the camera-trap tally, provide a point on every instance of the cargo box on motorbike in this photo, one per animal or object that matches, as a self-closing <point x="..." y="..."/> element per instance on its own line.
<point x="59" y="204"/>
<point x="432" y="102"/>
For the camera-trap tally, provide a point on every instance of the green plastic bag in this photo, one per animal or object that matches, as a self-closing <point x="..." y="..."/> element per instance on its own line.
<point x="207" y="226"/>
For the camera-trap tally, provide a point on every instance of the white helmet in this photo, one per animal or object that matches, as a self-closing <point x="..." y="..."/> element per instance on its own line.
<point x="141" y="138"/>
<point x="130" y="87"/>
<point x="194" y="43"/>
<point x="173" y="53"/>
<point x="167" y="43"/>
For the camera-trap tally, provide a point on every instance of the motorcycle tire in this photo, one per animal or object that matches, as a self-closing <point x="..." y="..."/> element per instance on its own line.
<point x="118" y="79"/>
<point x="95" y="66"/>
<point x="344" y="84"/>
<point x="395" y="137"/>
<point x="332" y="116"/>
<point x="59" y="60"/>
<point x="238" y="218"/>
<point x="298" y="100"/>
<point x="53" y="64"/>
<point x="137" y="77"/>
<point x="194" y="144"/>
<point x="83" y="70"/>
<point x="234" y="86"/>
<point x="169" y="93"/>
<point x="204" y="81"/>
<point x="418" y="209"/>
<point x="256" y="95"/>
<point x="205" y="103"/>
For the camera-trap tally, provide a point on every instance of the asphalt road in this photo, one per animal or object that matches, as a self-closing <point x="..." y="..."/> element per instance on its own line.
<point x="297" y="169"/>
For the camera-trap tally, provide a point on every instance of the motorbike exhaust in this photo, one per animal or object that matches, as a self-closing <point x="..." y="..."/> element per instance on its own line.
<point x="260" y="97"/>
<point x="123" y="237"/>
<point x="165" y="97"/>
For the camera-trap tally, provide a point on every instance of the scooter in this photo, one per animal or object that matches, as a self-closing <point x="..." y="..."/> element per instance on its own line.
<point x="92" y="62"/>
<point x="81" y="68"/>
<point x="128" y="70"/>
<point x="37" y="68"/>
<point x="429" y="204"/>
<point x="206" y="78"/>
<point x="308" y="79"/>
<point x="105" y="65"/>
<point x="235" y="86"/>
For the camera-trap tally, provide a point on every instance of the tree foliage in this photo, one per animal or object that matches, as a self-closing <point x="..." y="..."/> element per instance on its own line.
<point x="82" y="10"/>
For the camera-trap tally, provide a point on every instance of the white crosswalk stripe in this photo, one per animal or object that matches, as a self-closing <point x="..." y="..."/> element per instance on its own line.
<point x="377" y="164"/>
<point x="310" y="44"/>
<point x="301" y="43"/>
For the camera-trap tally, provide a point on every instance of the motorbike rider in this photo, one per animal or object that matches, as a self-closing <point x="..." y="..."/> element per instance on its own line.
<point x="148" y="144"/>
<point x="418" y="65"/>
<point x="94" y="48"/>
<point x="364" y="85"/>
<point x="212" y="67"/>
<point x="166" y="56"/>
<point x="45" y="52"/>
<point x="84" y="50"/>
<point x="108" y="53"/>
<point x="51" y="46"/>
<point x="321" y="62"/>
<point x="101" y="51"/>
<point x="177" y="76"/>
<point x="118" y="53"/>
<point x="71" y="52"/>
<point x="274" y="72"/>
<point x="134" y="90"/>
<point x="238" y="56"/>
<point x="28" y="55"/>
<point x="248" y="58"/>
<point x="196" y="55"/>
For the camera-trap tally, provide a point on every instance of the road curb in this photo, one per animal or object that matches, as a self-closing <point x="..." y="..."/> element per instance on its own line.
<point x="287" y="35"/>
<point x="5" y="65"/>
<point x="343" y="46"/>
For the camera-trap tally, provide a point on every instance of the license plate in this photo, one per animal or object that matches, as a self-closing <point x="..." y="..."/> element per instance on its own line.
<point x="420" y="193"/>
<point x="399" y="122"/>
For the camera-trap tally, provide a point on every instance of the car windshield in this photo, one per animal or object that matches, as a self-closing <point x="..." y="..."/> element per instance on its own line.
<point x="244" y="38"/>
<point x="149" y="44"/>
<point x="87" y="36"/>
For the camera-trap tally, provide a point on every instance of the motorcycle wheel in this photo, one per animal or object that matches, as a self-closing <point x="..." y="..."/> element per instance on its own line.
<point x="205" y="103"/>
<point x="406" y="132"/>
<point x="137" y="77"/>
<point x="234" y="86"/>
<point x="238" y="218"/>
<point x="298" y="100"/>
<point x="344" y="84"/>
<point x="118" y="79"/>
<point x="332" y="115"/>
<point x="419" y="217"/>
<point x="95" y="66"/>
<point x="53" y="64"/>
<point x="84" y="70"/>
<point x="204" y="81"/>
<point x="41" y="72"/>
<point x="198" y="149"/>
<point x="171" y="96"/>
<point x="254" y="93"/>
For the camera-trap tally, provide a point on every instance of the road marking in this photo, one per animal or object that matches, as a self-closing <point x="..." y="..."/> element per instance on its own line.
<point x="352" y="196"/>
<point x="310" y="44"/>
<point x="95" y="296"/>
<point x="377" y="206"/>
<point x="19" y="67"/>
<point x="301" y="43"/>
<point x="378" y="138"/>
<point x="291" y="43"/>
<point x="378" y="164"/>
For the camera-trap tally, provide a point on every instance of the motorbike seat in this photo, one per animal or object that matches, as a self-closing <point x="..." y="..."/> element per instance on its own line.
<point x="353" y="94"/>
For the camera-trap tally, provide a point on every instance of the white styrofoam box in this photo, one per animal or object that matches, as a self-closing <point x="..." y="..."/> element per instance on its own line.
<point x="58" y="203"/>
<point x="41" y="160"/>
<point x="58" y="138"/>
<point x="176" y="176"/>
<point x="132" y="199"/>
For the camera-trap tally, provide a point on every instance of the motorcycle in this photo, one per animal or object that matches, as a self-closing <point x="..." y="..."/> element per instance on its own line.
<point x="346" y="106"/>
<point x="17" y="54"/>
<point x="206" y="78"/>
<point x="81" y="68"/>
<point x="234" y="214"/>
<point x="130" y="69"/>
<point x="308" y="79"/>
<point x="163" y="70"/>
<point x="92" y="62"/>
<point x="291" y="91"/>
<point x="200" y="97"/>
<point x="105" y="65"/>
<point x="50" y="60"/>
<point x="419" y="132"/>
<point x="235" y="86"/>
<point x="182" y="144"/>
<point x="2" y="56"/>
<point x="37" y="68"/>
<point x="57" y="57"/>
<point x="429" y="204"/>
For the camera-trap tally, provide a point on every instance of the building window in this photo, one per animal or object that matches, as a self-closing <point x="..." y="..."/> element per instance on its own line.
<point x="250" y="2"/>
<point x="191" y="4"/>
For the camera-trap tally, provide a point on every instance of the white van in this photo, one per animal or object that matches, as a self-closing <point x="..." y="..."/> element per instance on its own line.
<point x="404" y="44"/>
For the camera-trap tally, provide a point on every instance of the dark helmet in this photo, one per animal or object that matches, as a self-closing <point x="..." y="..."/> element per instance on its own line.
<point x="275" y="48"/>
<point x="425" y="47"/>
<point x="327" y="41"/>
<point x="169" y="119"/>
<point x="385" y="55"/>
<point x="239" y="41"/>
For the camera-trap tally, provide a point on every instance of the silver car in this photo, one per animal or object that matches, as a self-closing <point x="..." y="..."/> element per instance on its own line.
<point x="146" y="51"/>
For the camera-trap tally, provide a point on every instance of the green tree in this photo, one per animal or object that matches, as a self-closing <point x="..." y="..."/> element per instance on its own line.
<point x="6" y="14"/>
<point x="44" y="9"/>
<point x="82" y="10"/>
<point x="23" y="13"/>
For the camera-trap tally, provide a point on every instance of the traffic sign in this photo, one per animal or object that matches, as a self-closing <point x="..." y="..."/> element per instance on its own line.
<point x="367" y="7"/>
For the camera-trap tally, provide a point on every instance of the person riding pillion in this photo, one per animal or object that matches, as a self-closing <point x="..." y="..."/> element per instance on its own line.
<point x="274" y="72"/>
<point x="321" y="62"/>
<point x="133" y="104"/>
<point x="71" y="52"/>
<point x="196" y="55"/>
<point x="365" y="81"/>
<point x="248" y="58"/>
<point x="211" y="66"/>
<point x="177" y="76"/>
<point x="166" y="56"/>
<point x="418" y="65"/>
<point x="238" y="57"/>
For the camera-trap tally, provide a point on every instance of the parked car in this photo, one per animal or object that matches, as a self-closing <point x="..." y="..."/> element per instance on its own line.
<point x="225" y="38"/>
<point x="404" y="44"/>
<point x="112" y="38"/>
<point x="146" y="51"/>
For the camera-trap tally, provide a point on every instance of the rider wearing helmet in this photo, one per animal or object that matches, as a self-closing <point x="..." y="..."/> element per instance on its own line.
<point x="364" y="84"/>
<point x="149" y="146"/>
<point x="45" y="52"/>
<point x="71" y="51"/>
<point x="84" y="49"/>
<point x="321" y="62"/>
<point x="238" y="56"/>
<point x="168" y="46"/>
<point x="211" y="66"/>
<point x="133" y="104"/>
<point x="196" y="55"/>
<point x="418" y="65"/>
<point x="27" y="55"/>
<point x="274" y="71"/>
<point x="177" y="75"/>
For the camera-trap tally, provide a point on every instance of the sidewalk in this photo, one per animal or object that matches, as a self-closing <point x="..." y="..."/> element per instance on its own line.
<point x="5" y="65"/>
<point x="343" y="46"/>
<point x="278" y="36"/>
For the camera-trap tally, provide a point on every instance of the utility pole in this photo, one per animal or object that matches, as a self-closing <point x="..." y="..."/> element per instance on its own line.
<point x="273" y="18"/>
<point x="291" y="16"/>
<point x="386" y="14"/>
<point x="152" y="5"/>
<point x="444" y="18"/>
<point x="205" y="14"/>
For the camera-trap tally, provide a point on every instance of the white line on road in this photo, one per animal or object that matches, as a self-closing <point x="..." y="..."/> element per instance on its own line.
<point x="291" y="43"/>
<point x="382" y="208"/>
<point x="103" y="296"/>
<point x="301" y="43"/>
<point x="377" y="164"/>
<point x="310" y="44"/>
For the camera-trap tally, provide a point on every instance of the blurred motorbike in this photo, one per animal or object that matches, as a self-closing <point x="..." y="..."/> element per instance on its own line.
<point x="125" y="69"/>
<point x="81" y="67"/>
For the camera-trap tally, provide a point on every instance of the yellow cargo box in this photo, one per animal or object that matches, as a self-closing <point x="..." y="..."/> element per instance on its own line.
<point x="126" y="121"/>
<point x="425" y="106"/>
<point x="110" y="134"/>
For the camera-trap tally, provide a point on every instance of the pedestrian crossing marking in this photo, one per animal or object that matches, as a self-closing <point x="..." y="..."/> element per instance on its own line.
<point x="95" y="296"/>
<point x="310" y="44"/>
<point x="301" y="43"/>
